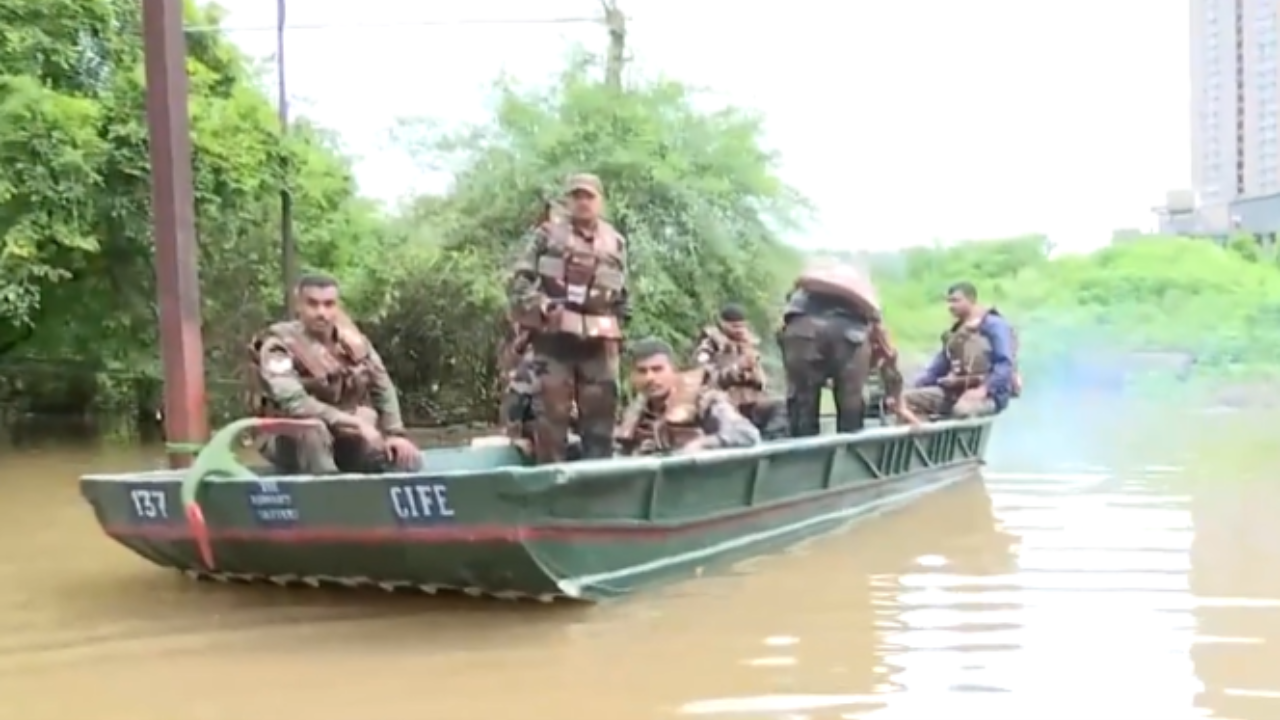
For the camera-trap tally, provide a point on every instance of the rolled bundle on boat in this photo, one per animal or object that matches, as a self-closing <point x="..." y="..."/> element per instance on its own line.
<point x="842" y="281"/>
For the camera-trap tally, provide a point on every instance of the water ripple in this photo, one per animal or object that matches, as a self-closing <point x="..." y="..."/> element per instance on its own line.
<point x="1100" y="585"/>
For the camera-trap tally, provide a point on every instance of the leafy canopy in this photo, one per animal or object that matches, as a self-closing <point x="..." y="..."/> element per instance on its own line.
<point x="696" y="195"/>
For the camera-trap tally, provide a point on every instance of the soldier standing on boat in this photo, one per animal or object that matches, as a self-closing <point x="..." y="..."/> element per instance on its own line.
<point x="569" y="290"/>
<point x="975" y="373"/>
<point x="826" y="328"/>
<point x="320" y="366"/>
<point x="730" y="354"/>
<point x="677" y="412"/>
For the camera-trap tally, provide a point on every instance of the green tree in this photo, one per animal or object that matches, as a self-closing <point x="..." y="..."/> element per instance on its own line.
<point x="76" y="274"/>
<point x="694" y="192"/>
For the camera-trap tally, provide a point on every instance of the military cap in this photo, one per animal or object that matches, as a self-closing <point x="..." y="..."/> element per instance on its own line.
<point x="584" y="182"/>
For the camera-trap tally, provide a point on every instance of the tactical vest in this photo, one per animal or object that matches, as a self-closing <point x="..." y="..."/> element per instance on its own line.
<point x="969" y="353"/>
<point x="645" y="430"/>
<point x="746" y="387"/>
<point x="342" y="378"/>
<point x="584" y="280"/>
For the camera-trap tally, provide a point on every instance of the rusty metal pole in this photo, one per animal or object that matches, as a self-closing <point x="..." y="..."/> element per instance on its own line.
<point x="173" y="215"/>
<point x="288" y="250"/>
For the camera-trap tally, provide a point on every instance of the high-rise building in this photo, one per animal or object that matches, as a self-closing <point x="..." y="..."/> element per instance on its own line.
<point x="1235" y="102"/>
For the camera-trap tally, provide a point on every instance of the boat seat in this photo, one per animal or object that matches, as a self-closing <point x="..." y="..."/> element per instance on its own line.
<point x="476" y="456"/>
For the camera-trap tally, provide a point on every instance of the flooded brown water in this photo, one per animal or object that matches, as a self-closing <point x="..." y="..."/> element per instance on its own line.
<point x="1106" y="570"/>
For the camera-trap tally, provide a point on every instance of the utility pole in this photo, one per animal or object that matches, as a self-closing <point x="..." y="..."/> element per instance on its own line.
<point x="288" y="250"/>
<point x="174" y="226"/>
<point x="616" y="58"/>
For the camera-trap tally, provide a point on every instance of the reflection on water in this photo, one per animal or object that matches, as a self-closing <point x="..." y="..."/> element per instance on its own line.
<point x="1118" y="572"/>
<point x="1094" y="616"/>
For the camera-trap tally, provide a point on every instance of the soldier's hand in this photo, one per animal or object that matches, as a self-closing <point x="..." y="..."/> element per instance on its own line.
<point x="950" y="382"/>
<point x="403" y="453"/>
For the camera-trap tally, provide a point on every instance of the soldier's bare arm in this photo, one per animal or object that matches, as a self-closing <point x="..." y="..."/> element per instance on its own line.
<point x="385" y="398"/>
<point x="724" y="427"/>
<point x="283" y="386"/>
<point x="524" y="288"/>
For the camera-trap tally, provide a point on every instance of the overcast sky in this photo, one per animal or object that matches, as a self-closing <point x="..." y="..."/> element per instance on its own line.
<point x="904" y="122"/>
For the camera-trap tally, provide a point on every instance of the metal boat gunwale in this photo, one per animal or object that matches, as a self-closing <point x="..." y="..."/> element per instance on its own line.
<point x="586" y="530"/>
<point x="582" y="470"/>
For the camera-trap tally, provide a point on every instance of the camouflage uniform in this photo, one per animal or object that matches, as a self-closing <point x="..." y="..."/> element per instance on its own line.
<point x="824" y="339"/>
<point x="693" y="411"/>
<point x="568" y="288"/>
<point x="517" y="404"/>
<point x="969" y="353"/>
<point x="296" y="376"/>
<point x="734" y="367"/>
<point x="517" y="410"/>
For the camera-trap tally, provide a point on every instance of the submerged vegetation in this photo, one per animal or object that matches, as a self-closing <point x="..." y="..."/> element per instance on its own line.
<point x="694" y="191"/>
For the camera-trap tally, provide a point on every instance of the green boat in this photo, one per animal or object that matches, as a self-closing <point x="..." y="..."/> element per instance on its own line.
<point x="482" y="521"/>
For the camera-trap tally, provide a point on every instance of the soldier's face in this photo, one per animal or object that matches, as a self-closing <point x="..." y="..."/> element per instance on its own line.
<point x="653" y="376"/>
<point x="317" y="308"/>
<point x="585" y="204"/>
<point x="959" y="305"/>
<point x="736" y="329"/>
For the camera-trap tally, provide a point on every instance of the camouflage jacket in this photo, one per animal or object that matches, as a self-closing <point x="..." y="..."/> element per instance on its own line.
<point x="294" y="375"/>
<point x="565" y="282"/>
<point x="731" y="365"/>
<point x="692" y="412"/>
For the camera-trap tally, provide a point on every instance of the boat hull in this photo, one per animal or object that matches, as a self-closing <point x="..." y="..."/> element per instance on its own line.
<point x="584" y="531"/>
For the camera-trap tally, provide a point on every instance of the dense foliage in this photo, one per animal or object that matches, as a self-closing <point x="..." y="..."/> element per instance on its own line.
<point x="694" y="191"/>
<point x="76" y="274"/>
<point x="1146" y="294"/>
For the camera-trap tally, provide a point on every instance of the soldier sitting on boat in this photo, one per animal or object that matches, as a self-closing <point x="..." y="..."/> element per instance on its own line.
<point x="677" y="412"/>
<point x="975" y="373"/>
<point x="320" y="366"/>
<point x="730" y="354"/>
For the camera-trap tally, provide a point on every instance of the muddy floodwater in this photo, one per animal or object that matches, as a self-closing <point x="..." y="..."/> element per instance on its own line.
<point x="1117" y="565"/>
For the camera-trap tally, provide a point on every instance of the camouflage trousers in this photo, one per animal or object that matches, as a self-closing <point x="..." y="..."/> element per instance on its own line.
<point x="769" y="415"/>
<point x="521" y="425"/>
<point x="818" y="349"/>
<point x="322" y="452"/>
<point x="936" y="402"/>
<point x="570" y="370"/>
